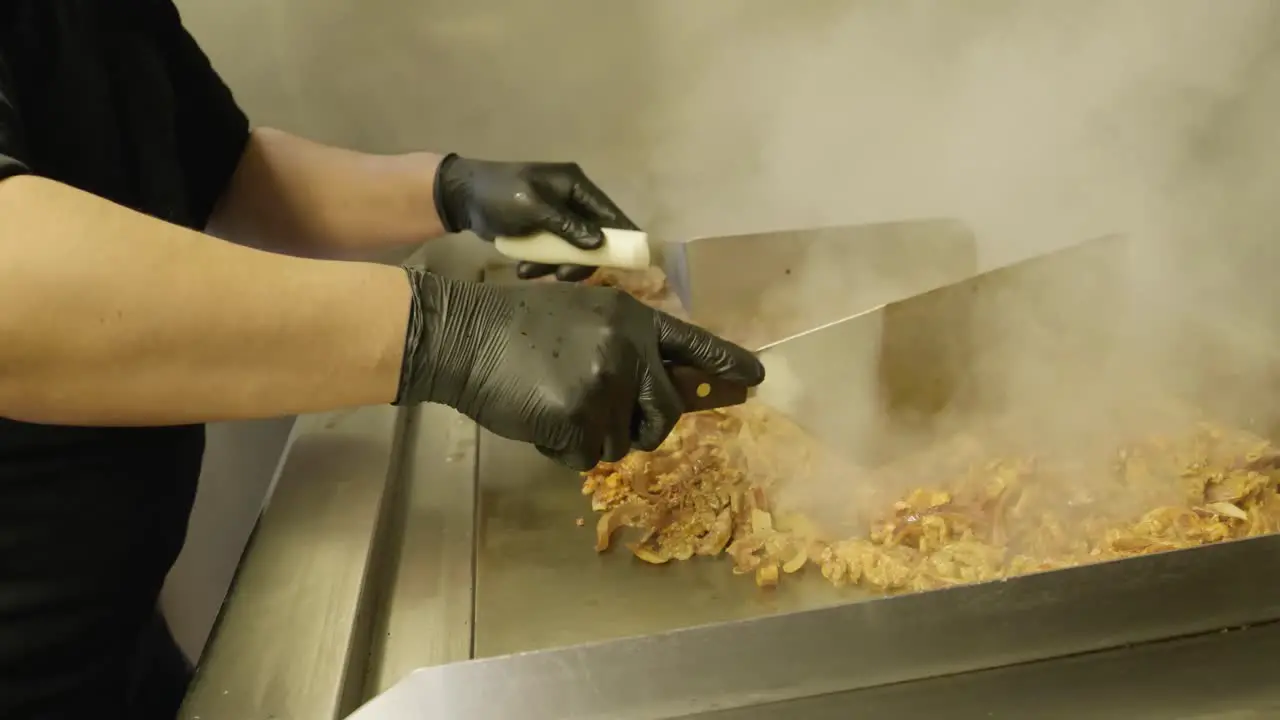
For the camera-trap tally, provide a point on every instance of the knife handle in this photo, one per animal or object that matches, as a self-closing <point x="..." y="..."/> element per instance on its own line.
<point x="703" y="391"/>
<point x="622" y="249"/>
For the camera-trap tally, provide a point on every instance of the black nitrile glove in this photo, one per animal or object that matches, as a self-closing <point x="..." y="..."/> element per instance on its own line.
<point x="577" y="371"/>
<point x="515" y="199"/>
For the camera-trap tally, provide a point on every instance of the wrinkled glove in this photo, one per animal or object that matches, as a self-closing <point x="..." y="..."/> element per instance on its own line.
<point x="514" y="199"/>
<point x="575" y="370"/>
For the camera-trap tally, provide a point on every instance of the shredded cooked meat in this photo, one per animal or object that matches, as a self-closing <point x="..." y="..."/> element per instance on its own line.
<point x="710" y="491"/>
<point x="702" y="494"/>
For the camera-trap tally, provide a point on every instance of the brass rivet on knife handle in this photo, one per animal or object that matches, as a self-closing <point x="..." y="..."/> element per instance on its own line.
<point x="703" y="391"/>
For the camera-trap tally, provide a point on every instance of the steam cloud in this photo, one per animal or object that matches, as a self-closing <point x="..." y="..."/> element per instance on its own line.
<point x="1039" y="123"/>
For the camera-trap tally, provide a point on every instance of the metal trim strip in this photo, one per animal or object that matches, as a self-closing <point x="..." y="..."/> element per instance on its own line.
<point x="863" y="644"/>
<point x="287" y="643"/>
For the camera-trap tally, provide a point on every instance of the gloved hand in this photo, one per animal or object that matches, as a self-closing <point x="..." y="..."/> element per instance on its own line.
<point x="516" y="199"/>
<point x="577" y="371"/>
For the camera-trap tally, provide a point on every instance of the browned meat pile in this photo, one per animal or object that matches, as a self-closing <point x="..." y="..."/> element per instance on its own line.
<point x="704" y="493"/>
<point x="710" y="491"/>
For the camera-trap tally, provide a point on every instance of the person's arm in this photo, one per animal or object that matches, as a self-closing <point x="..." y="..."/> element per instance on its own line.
<point x="302" y="197"/>
<point x="109" y="317"/>
<point x="305" y="198"/>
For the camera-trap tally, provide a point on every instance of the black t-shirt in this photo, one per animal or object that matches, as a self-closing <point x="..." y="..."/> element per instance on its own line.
<point x="115" y="98"/>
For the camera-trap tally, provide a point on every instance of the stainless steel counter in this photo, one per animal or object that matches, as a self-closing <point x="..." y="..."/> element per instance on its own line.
<point x="460" y="545"/>
<point x="788" y="665"/>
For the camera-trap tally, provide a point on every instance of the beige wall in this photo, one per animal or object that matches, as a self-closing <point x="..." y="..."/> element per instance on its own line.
<point x="1040" y="121"/>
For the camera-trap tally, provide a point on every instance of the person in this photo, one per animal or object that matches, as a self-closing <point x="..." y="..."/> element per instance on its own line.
<point x="124" y="326"/>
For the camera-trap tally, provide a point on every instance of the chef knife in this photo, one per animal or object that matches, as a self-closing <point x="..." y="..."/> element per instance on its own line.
<point x="811" y="375"/>
<point x="634" y="249"/>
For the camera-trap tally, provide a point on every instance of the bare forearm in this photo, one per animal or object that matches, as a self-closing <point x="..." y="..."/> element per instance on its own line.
<point x="298" y="196"/>
<point x="109" y="317"/>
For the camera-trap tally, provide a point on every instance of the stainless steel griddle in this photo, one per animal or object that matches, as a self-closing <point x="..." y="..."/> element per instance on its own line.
<point x="479" y="575"/>
<point x="540" y="583"/>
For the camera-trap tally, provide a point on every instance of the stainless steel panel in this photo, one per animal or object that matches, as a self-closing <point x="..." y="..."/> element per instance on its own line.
<point x="289" y="640"/>
<point x="424" y="611"/>
<point x="1217" y="676"/>
<point x="861" y="645"/>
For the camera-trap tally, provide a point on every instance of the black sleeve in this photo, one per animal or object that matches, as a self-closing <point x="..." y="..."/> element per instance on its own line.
<point x="12" y="150"/>
<point x="212" y="129"/>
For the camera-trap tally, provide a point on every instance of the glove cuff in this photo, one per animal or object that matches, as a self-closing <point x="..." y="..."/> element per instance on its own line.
<point x="441" y="197"/>
<point x="414" y="336"/>
<point x="437" y="357"/>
